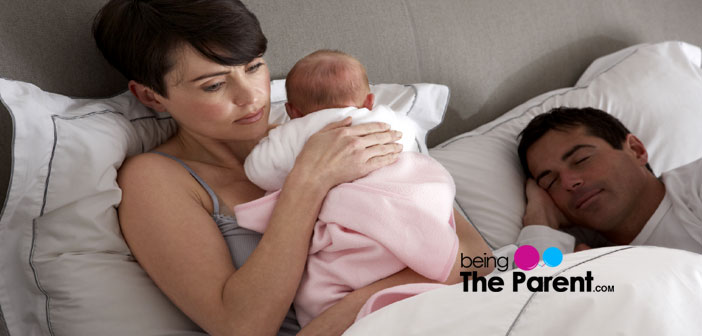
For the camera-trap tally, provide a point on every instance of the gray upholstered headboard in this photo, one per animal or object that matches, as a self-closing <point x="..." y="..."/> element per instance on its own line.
<point x="492" y="54"/>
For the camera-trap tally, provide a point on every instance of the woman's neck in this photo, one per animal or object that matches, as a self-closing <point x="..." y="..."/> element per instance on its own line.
<point x="214" y="152"/>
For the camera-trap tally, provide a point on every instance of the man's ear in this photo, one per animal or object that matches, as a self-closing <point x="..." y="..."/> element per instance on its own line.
<point x="292" y="111"/>
<point x="637" y="148"/>
<point x="146" y="96"/>
<point x="369" y="101"/>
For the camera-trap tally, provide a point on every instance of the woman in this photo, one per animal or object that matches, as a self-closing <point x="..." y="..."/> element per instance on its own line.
<point x="201" y="61"/>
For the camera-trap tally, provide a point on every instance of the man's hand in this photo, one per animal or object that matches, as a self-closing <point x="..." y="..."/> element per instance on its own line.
<point x="581" y="247"/>
<point x="540" y="209"/>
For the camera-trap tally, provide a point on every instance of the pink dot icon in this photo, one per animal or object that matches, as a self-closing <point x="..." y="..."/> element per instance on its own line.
<point x="526" y="257"/>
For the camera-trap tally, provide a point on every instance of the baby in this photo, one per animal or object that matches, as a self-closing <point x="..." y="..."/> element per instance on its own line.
<point x="398" y="216"/>
<point x="323" y="87"/>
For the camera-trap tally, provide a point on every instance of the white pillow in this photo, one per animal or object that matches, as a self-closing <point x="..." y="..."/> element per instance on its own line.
<point x="654" y="89"/>
<point x="66" y="269"/>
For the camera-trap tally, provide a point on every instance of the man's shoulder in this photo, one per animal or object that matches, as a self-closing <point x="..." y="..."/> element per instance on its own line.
<point x="697" y="163"/>
<point x="690" y="170"/>
<point x="684" y="185"/>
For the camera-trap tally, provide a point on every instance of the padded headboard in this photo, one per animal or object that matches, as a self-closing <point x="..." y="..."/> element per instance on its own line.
<point x="493" y="55"/>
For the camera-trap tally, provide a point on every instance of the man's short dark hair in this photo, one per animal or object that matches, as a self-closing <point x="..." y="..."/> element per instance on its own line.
<point x="597" y="123"/>
<point x="138" y="37"/>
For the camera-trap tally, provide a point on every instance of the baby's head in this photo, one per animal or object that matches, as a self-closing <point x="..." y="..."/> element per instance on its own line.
<point x="326" y="79"/>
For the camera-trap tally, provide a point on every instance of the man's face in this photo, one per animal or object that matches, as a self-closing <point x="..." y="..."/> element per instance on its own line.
<point x="592" y="183"/>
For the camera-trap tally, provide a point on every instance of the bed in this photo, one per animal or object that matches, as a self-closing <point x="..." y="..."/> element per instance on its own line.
<point x="476" y="70"/>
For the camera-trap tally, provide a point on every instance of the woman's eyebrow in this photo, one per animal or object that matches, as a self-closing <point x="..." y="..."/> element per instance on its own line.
<point x="214" y="74"/>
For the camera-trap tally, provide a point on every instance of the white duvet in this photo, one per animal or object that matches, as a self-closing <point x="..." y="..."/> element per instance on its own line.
<point x="657" y="291"/>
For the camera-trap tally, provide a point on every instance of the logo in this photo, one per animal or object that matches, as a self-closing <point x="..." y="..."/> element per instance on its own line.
<point x="527" y="257"/>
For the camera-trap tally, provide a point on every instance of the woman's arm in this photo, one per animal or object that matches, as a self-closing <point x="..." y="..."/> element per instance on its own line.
<point x="336" y="319"/>
<point x="471" y="244"/>
<point x="175" y="240"/>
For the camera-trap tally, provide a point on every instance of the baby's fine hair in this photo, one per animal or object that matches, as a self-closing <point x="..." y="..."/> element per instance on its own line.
<point x="325" y="79"/>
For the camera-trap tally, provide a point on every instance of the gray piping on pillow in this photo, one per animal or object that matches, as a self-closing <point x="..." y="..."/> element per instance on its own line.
<point x="416" y="141"/>
<point x="53" y="150"/>
<point x="46" y="187"/>
<point x="146" y="117"/>
<point x="460" y="137"/>
<point x="414" y="100"/>
<point x="36" y="276"/>
<point x="443" y="114"/>
<point x="409" y="110"/>
<point x="516" y="318"/>
<point x="465" y="136"/>
<point x="619" y="62"/>
<point x="465" y="214"/>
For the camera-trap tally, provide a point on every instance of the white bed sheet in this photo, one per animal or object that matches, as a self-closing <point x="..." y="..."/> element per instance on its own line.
<point x="657" y="291"/>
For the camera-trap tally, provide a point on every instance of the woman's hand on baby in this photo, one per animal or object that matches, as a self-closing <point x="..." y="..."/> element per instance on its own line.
<point x="341" y="153"/>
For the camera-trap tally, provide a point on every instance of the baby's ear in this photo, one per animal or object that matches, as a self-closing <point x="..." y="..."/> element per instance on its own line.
<point x="370" y="100"/>
<point x="292" y="111"/>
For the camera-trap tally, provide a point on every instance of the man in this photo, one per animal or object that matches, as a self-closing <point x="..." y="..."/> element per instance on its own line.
<point x="587" y="170"/>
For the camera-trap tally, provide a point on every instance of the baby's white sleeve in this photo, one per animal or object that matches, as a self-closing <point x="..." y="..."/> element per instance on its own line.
<point x="270" y="162"/>
<point x="398" y="123"/>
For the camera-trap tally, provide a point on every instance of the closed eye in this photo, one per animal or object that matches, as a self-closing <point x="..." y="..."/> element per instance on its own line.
<point x="254" y="67"/>
<point x="582" y="160"/>
<point x="544" y="182"/>
<point x="550" y="184"/>
<point x="214" y="87"/>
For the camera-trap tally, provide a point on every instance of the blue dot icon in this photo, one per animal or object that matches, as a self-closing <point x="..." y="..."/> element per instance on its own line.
<point x="552" y="257"/>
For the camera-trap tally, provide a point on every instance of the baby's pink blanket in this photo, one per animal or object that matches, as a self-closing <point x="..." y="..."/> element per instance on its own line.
<point x="396" y="217"/>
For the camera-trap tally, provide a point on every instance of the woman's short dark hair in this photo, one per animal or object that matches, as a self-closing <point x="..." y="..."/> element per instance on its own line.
<point x="597" y="123"/>
<point x="138" y="37"/>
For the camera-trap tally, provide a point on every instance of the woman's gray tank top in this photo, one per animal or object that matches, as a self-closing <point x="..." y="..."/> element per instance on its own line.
<point x="241" y="241"/>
